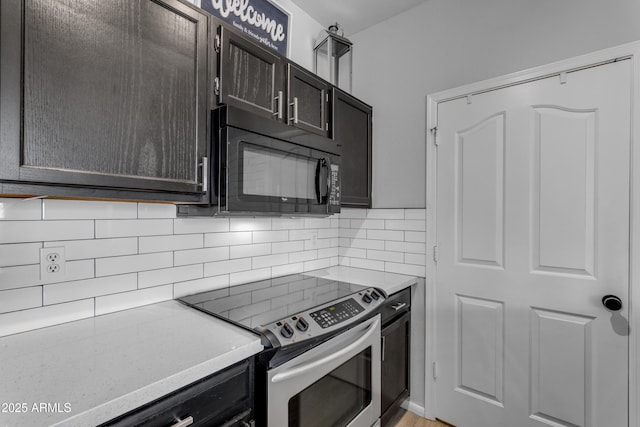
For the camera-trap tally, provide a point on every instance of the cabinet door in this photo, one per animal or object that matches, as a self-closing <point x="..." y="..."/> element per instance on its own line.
<point x="308" y="101"/>
<point x="107" y="95"/>
<point x="251" y="77"/>
<point x="395" y="365"/>
<point x="352" y="130"/>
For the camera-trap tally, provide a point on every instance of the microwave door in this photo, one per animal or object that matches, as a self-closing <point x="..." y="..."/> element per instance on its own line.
<point x="267" y="175"/>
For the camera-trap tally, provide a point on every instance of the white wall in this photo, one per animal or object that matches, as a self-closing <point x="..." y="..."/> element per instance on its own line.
<point x="447" y="43"/>
<point x="303" y="31"/>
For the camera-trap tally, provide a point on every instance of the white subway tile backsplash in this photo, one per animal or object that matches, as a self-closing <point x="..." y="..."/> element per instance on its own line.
<point x="83" y="289"/>
<point x="76" y="270"/>
<point x="385" y="256"/>
<point x="415" y="236"/>
<point x="165" y="276"/>
<point x="374" y="224"/>
<point x="303" y="256"/>
<point x="19" y="276"/>
<point x="287" y="223"/>
<point x="352" y="252"/>
<point x="19" y="254"/>
<point x="84" y="209"/>
<point x="319" y="263"/>
<point x="37" y="231"/>
<point x="417" y="259"/>
<point x="386" y="214"/>
<point x="133" y="227"/>
<point x="420" y="214"/>
<point x="191" y="287"/>
<point x="249" y="224"/>
<point x="97" y="248"/>
<point x="414" y="248"/>
<point x="249" y="276"/>
<point x="353" y="233"/>
<point x="270" y="236"/>
<point x="197" y="256"/>
<point x="291" y="268"/>
<point x="367" y="263"/>
<point x="170" y="243"/>
<point x="26" y="320"/>
<point x="282" y="247"/>
<point x="244" y="251"/>
<point x="122" y="255"/>
<point x="269" y="260"/>
<point x="20" y="299"/>
<point x="385" y="235"/>
<point x="225" y="267"/>
<point x="133" y="263"/>
<point x="200" y="225"/>
<point x="317" y="223"/>
<point x="20" y="209"/>
<point x="407" y="224"/>
<point x="367" y="244"/>
<point x="110" y="303"/>
<point x="228" y="239"/>
<point x="156" y="210"/>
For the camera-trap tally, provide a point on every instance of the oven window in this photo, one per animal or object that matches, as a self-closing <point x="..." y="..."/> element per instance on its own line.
<point x="274" y="173"/>
<point x="335" y="399"/>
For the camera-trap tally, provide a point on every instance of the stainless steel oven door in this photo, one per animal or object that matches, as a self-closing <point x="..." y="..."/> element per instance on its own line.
<point x="334" y="384"/>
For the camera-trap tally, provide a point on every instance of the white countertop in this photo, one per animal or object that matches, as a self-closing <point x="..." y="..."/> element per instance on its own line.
<point x="93" y="370"/>
<point x="388" y="282"/>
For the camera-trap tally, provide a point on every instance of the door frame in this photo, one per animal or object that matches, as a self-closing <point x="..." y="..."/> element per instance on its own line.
<point x="600" y="57"/>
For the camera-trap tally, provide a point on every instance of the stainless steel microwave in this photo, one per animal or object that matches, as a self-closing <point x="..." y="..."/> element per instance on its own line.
<point x="265" y="167"/>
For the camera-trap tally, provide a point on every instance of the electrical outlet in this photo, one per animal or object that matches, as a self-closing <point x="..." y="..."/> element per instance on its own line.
<point x="52" y="263"/>
<point x="312" y="241"/>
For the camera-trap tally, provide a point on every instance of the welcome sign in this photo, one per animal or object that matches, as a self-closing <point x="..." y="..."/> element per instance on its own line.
<point x="259" y="19"/>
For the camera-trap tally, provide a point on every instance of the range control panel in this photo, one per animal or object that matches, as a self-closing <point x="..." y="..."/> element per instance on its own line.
<point x="321" y="320"/>
<point x="337" y="313"/>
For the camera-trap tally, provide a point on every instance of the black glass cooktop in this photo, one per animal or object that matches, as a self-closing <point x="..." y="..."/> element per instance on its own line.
<point x="260" y="303"/>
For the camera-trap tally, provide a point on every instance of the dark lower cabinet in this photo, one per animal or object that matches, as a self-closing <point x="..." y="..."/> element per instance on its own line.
<point x="104" y="95"/>
<point x="224" y="399"/>
<point x="352" y="129"/>
<point x="396" y="332"/>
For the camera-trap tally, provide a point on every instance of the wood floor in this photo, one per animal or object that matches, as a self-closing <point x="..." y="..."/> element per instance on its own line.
<point x="409" y="419"/>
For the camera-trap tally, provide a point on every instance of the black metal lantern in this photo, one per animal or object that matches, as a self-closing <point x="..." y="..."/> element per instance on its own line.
<point x="333" y="57"/>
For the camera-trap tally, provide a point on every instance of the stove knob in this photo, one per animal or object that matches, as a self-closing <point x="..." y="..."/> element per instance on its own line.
<point x="375" y="295"/>
<point x="286" y="331"/>
<point x="366" y="298"/>
<point x="302" y="325"/>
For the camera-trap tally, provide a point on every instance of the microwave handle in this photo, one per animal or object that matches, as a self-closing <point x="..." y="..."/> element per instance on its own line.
<point x="322" y="163"/>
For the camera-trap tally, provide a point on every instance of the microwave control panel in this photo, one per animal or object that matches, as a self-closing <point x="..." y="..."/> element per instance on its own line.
<point x="334" y="195"/>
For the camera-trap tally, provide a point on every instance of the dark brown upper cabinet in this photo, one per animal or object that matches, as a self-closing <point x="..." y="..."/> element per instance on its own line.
<point x="257" y="79"/>
<point x="104" y="99"/>
<point x="352" y="129"/>
<point x="250" y="76"/>
<point x="308" y="101"/>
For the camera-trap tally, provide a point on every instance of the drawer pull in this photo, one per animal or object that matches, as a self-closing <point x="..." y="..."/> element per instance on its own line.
<point x="399" y="306"/>
<point x="184" y="423"/>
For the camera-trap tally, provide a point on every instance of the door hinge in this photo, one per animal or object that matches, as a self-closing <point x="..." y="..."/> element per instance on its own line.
<point x="434" y="132"/>
<point x="204" y="165"/>
<point x="436" y="253"/>
<point x="216" y="86"/>
<point x="434" y="370"/>
<point x="217" y="43"/>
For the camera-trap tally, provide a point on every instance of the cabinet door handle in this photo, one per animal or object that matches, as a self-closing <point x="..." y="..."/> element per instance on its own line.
<point x="398" y="306"/>
<point x="279" y="100"/>
<point x="184" y="423"/>
<point x="294" y="105"/>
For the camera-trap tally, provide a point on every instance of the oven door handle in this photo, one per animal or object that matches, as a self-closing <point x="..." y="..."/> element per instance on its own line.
<point x="312" y="365"/>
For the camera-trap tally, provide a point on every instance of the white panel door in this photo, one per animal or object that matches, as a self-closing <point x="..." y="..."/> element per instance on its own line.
<point x="533" y="230"/>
